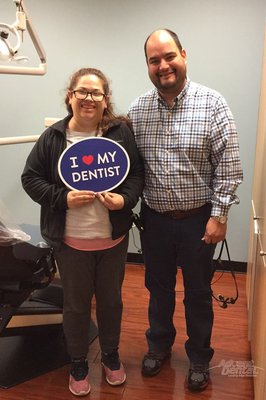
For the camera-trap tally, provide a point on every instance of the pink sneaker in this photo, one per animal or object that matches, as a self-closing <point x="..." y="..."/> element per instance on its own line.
<point x="115" y="377"/>
<point x="79" y="377"/>
<point x="79" y="388"/>
<point x="113" y="368"/>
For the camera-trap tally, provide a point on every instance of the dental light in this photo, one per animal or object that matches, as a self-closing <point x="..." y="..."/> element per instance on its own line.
<point x="9" y="52"/>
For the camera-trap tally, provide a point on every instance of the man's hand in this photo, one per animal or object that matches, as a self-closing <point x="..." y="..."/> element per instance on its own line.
<point x="215" y="231"/>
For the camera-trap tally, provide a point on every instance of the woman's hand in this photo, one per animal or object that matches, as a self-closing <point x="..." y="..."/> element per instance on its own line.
<point x="112" y="201"/>
<point x="79" y="198"/>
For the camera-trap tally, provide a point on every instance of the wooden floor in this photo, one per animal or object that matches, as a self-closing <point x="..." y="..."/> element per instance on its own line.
<point x="229" y="341"/>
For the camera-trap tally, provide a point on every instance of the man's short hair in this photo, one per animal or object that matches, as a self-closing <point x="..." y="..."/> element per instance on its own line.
<point x="171" y="33"/>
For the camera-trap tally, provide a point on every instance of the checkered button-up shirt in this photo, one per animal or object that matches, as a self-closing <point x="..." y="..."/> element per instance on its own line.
<point x="190" y="150"/>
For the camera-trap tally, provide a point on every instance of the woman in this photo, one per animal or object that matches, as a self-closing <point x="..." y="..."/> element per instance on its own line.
<point x="88" y="231"/>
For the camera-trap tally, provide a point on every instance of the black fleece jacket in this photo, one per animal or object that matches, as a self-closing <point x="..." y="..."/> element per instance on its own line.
<point x="40" y="179"/>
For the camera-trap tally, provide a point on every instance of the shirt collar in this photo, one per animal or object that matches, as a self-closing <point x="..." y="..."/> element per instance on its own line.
<point x="179" y="98"/>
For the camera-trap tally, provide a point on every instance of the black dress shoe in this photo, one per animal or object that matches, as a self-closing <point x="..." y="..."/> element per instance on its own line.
<point x="152" y="362"/>
<point x="198" y="376"/>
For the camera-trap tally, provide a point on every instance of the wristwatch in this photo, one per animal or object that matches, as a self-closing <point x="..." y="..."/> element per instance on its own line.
<point x="222" y="219"/>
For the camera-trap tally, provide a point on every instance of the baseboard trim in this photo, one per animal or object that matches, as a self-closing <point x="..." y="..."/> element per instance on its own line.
<point x="134" y="258"/>
<point x="236" y="266"/>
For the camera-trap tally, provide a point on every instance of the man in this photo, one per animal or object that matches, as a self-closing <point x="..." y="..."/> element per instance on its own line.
<point x="187" y="137"/>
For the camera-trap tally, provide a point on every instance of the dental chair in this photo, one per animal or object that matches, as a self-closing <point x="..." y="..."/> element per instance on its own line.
<point x="31" y="333"/>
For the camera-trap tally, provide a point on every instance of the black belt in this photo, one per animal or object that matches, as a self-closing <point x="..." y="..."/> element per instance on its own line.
<point x="179" y="214"/>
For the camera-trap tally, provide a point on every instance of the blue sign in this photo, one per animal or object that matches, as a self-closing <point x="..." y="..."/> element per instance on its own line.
<point x="96" y="163"/>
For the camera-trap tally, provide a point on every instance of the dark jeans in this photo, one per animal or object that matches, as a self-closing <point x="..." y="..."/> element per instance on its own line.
<point x="84" y="274"/>
<point x="167" y="244"/>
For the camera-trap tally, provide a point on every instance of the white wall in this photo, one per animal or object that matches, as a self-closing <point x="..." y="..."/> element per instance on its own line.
<point x="223" y="40"/>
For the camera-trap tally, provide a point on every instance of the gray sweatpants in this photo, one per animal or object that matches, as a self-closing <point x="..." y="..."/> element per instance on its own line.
<point x="84" y="274"/>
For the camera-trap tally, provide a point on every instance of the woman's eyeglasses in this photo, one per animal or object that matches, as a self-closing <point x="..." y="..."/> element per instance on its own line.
<point x="83" y="94"/>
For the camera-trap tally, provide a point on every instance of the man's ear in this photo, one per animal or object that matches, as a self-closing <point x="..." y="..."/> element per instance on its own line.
<point x="184" y="54"/>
